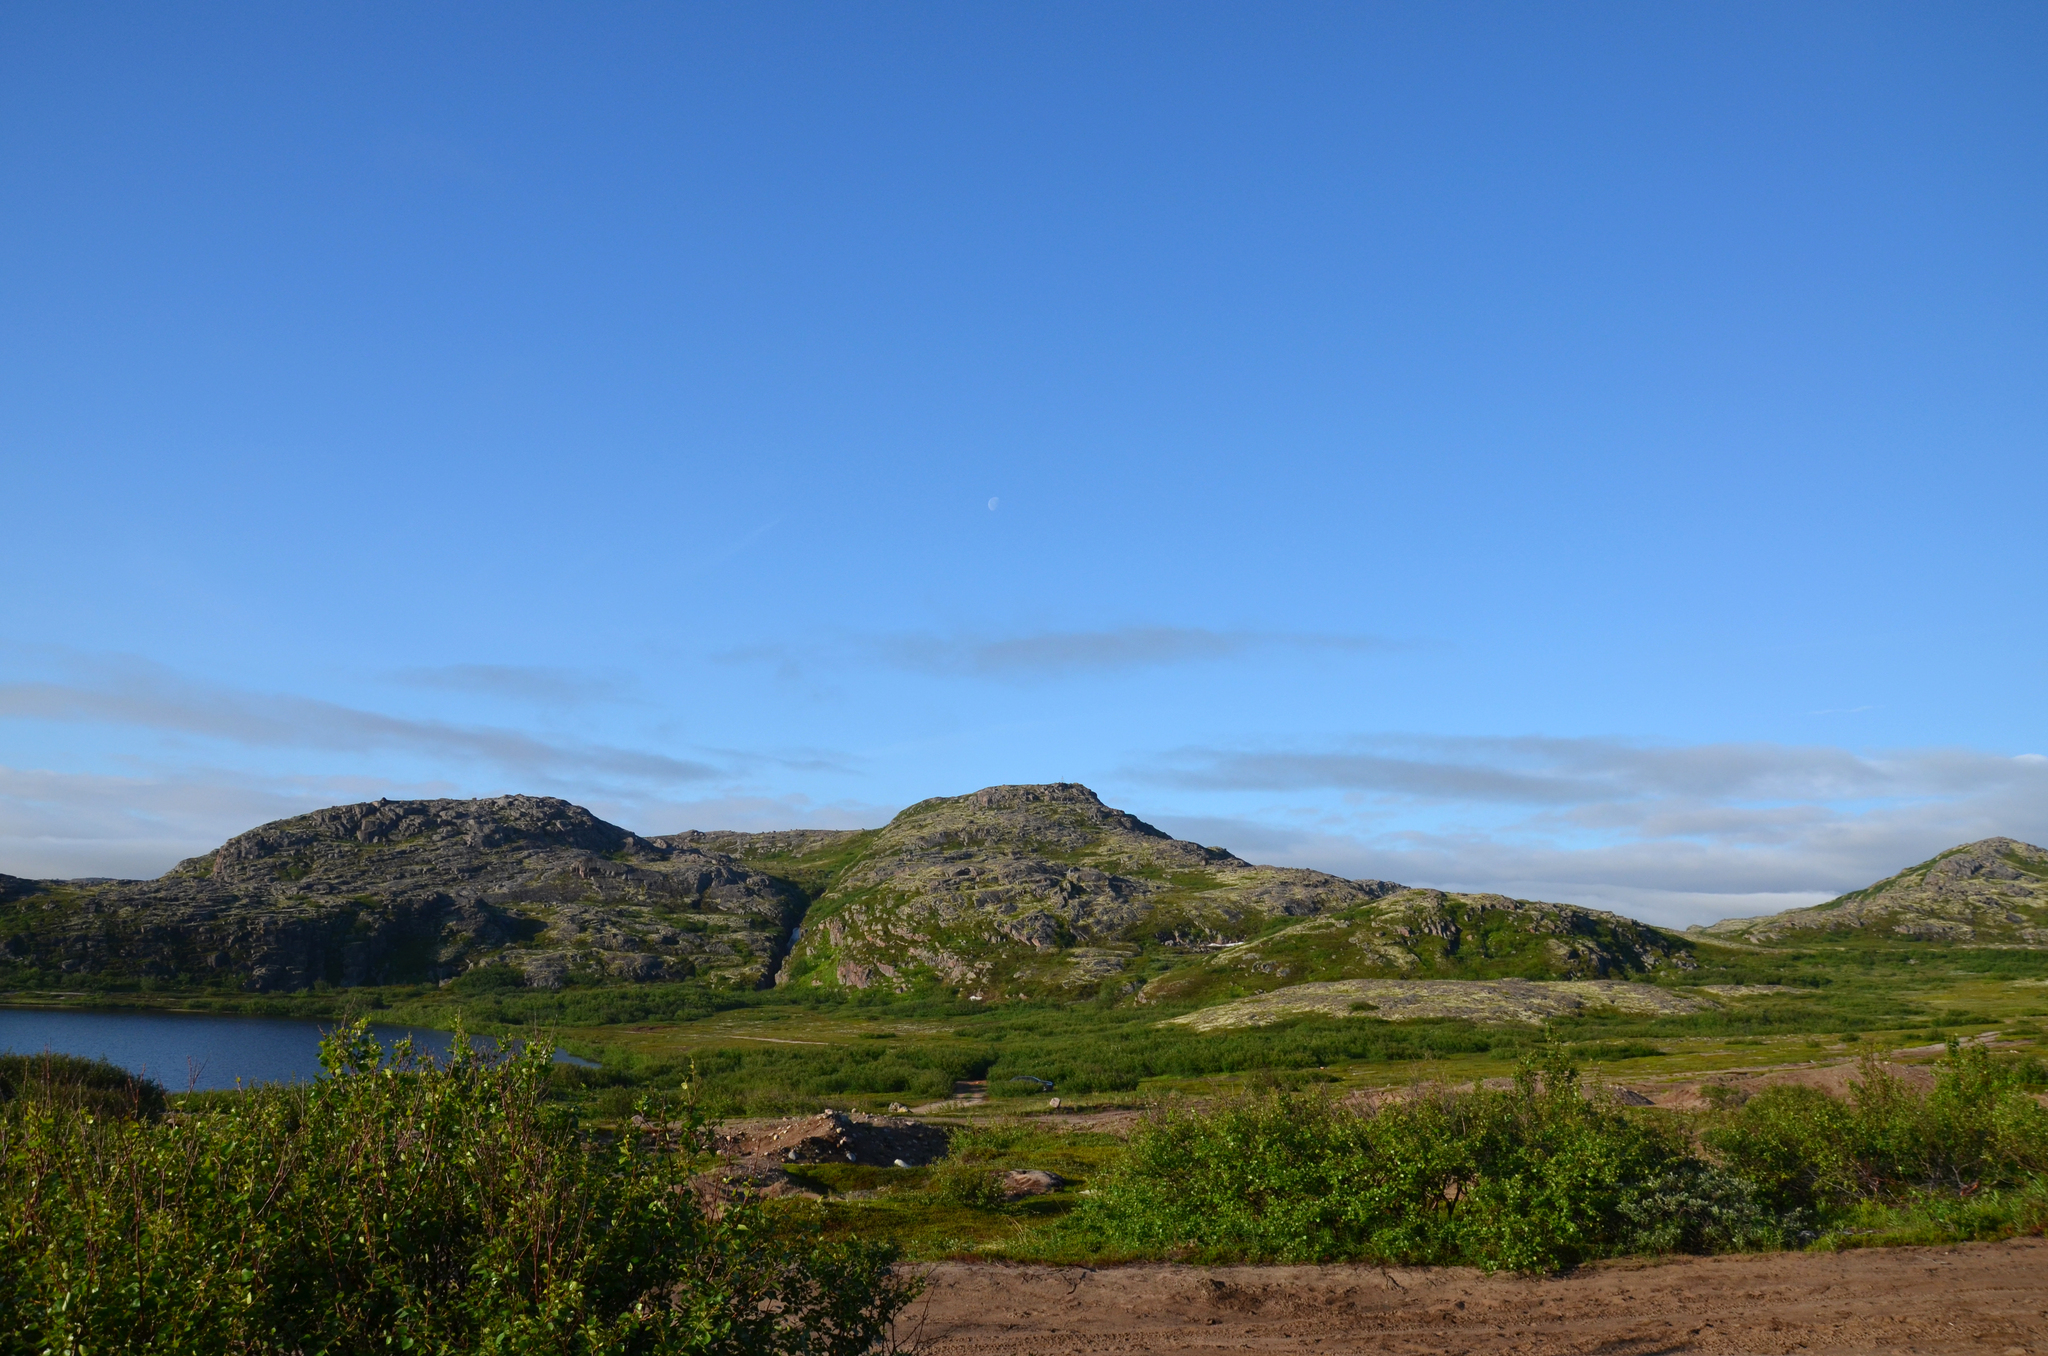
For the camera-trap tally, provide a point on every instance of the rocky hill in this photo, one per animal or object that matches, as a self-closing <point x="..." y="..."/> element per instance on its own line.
<point x="1035" y="889"/>
<point x="1044" y="889"/>
<point x="1992" y="892"/>
<point x="1012" y="890"/>
<point x="418" y="890"/>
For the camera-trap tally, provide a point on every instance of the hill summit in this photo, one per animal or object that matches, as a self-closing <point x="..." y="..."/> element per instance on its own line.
<point x="1993" y="891"/>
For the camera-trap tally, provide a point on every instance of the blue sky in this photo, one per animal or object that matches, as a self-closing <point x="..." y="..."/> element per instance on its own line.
<point x="1594" y="452"/>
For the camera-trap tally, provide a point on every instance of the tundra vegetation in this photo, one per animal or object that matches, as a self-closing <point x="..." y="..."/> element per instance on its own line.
<point x="395" y="1205"/>
<point x="1252" y="1062"/>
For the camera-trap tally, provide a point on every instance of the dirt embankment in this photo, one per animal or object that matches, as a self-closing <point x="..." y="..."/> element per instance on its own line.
<point x="1980" y="1297"/>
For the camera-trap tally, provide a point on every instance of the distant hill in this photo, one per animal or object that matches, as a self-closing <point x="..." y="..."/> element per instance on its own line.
<point x="1991" y="892"/>
<point x="1044" y="889"/>
<point x="1428" y="934"/>
<point x="1031" y="890"/>
<point x="1035" y="889"/>
<point x="410" y="891"/>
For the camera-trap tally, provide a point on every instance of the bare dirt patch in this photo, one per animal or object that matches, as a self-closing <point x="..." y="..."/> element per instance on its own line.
<point x="1980" y="1297"/>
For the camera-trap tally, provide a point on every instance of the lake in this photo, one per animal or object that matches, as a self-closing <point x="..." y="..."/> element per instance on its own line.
<point x="196" y="1050"/>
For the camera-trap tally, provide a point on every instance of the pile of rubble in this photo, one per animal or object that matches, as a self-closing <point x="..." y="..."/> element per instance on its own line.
<point x="757" y="1152"/>
<point x="758" y="1155"/>
<point x="837" y="1137"/>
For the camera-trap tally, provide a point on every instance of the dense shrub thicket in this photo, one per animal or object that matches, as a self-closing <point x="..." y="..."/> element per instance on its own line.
<point x="89" y="1085"/>
<point x="396" y="1205"/>
<point x="1977" y="1129"/>
<point x="1540" y="1176"/>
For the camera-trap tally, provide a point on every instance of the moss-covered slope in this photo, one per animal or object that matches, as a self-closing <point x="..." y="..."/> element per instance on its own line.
<point x="1038" y="889"/>
<point x="1993" y="892"/>
<point x="1427" y="935"/>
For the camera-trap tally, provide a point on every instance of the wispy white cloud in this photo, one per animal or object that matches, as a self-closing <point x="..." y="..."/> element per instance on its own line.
<point x="1537" y="771"/>
<point x="538" y="684"/>
<point x="66" y="824"/>
<point x="1672" y="833"/>
<point x="135" y="693"/>
<point x="62" y="824"/>
<point x="1056" y="654"/>
<point x="141" y="820"/>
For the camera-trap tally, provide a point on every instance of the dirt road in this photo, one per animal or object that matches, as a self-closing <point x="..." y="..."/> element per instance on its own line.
<point x="1980" y="1297"/>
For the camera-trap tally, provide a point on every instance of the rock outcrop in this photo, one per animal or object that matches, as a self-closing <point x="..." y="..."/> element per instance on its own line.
<point x="410" y="891"/>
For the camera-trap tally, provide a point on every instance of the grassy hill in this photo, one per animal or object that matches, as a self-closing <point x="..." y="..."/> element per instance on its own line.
<point x="1040" y="889"/>
<point x="1006" y="893"/>
<point x="1993" y="892"/>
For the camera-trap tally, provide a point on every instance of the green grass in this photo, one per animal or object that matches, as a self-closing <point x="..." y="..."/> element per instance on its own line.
<point x="797" y="1048"/>
<point x="1535" y="1178"/>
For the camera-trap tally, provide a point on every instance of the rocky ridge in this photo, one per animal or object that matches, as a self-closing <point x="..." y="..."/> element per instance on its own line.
<point x="404" y="891"/>
<point x="1008" y="891"/>
<point x="1992" y="892"/>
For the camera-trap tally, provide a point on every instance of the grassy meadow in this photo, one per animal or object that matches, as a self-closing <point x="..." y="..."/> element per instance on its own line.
<point x="1236" y="1144"/>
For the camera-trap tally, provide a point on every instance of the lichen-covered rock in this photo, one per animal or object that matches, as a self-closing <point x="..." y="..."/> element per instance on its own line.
<point x="1993" y="892"/>
<point x="409" y="891"/>
<point x="1022" y="1182"/>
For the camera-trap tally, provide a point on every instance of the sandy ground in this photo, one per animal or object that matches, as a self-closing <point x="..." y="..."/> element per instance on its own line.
<point x="1980" y="1297"/>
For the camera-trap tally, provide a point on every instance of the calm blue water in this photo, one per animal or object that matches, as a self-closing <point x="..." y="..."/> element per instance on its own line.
<point x="199" y="1051"/>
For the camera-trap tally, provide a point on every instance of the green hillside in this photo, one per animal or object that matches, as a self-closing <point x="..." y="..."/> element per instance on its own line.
<point x="1009" y="892"/>
<point x="1993" y="892"/>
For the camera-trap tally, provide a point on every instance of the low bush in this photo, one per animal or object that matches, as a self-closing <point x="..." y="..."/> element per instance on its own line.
<point x="397" y="1205"/>
<point x="91" y="1086"/>
<point x="1541" y="1176"/>
<point x="1533" y="1178"/>
<point x="1977" y="1128"/>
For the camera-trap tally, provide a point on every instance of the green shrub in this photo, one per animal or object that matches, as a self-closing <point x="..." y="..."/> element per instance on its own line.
<point x="1977" y="1128"/>
<point x="91" y="1086"/>
<point x="397" y="1205"/>
<point x="985" y="1143"/>
<point x="1534" y="1178"/>
<point x="975" y="1185"/>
